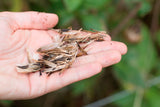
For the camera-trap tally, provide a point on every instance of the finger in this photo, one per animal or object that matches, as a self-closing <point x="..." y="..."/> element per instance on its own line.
<point x="107" y="37"/>
<point x="71" y="75"/>
<point x="56" y="81"/>
<point x="33" y="20"/>
<point x="106" y="45"/>
<point x="105" y="58"/>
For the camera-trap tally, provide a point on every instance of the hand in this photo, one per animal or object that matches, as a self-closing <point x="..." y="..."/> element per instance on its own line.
<point x="30" y="30"/>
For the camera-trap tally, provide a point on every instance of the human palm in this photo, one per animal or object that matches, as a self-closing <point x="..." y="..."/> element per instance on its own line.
<point x="31" y="30"/>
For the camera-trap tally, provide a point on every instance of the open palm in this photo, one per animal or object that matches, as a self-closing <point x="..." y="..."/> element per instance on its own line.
<point x="31" y="30"/>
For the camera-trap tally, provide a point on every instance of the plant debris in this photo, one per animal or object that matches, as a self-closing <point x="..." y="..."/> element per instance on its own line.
<point x="60" y="55"/>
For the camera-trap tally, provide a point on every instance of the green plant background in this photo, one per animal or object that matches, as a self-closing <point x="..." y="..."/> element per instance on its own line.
<point x="135" y="81"/>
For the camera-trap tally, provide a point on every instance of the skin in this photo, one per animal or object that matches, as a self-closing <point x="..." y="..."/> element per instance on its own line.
<point x="31" y="30"/>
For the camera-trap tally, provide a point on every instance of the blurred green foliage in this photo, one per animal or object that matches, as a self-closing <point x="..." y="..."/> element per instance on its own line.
<point x="137" y="67"/>
<point x="145" y="55"/>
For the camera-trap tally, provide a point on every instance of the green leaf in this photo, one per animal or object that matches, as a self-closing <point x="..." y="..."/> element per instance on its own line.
<point x="131" y="3"/>
<point x="72" y="5"/>
<point x="93" y="22"/>
<point x="157" y="67"/>
<point x="57" y="5"/>
<point x="158" y="38"/>
<point x="16" y="5"/>
<point x="145" y="8"/>
<point x="139" y="60"/>
<point x="128" y="74"/>
<point x="152" y="97"/>
<point x="84" y="86"/>
<point x="126" y="101"/>
<point x="95" y="4"/>
<point x="147" y="52"/>
<point x="65" y="18"/>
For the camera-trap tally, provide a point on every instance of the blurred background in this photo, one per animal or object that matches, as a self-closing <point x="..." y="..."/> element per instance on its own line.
<point x="135" y="81"/>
